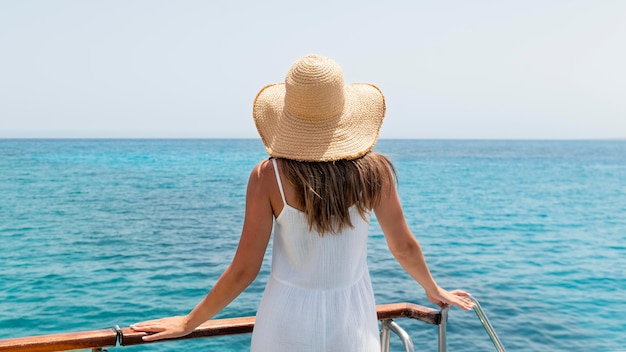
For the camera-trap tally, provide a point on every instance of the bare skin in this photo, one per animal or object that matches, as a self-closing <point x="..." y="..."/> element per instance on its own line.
<point x="263" y="202"/>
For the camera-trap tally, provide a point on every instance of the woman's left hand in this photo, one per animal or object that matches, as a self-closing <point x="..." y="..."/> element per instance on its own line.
<point x="165" y="328"/>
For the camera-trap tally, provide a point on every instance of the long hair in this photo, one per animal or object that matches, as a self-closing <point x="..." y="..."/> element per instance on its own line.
<point x="327" y="190"/>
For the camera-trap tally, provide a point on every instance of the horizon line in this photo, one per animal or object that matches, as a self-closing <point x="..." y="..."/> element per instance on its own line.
<point x="379" y="139"/>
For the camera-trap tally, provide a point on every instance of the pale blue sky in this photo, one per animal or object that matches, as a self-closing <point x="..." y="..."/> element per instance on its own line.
<point x="190" y="69"/>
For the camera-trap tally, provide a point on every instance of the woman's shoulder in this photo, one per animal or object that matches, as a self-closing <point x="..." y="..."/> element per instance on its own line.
<point x="264" y="166"/>
<point x="263" y="172"/>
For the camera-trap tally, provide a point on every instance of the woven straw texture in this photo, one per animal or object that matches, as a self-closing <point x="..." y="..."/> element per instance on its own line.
<point x="314" y="116"/>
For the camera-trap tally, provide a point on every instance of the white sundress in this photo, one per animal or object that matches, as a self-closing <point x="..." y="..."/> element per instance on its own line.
<point x="319" y="296"/>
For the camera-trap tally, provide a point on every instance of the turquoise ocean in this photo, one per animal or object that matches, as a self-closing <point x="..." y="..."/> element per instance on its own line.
<point x="98" y="233"/>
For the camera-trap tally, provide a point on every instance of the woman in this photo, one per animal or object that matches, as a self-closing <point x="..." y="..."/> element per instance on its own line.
<point x="317" y="190"/>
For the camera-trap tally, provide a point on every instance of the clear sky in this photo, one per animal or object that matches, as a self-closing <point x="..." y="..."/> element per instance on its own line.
<point x="532" y="69"/>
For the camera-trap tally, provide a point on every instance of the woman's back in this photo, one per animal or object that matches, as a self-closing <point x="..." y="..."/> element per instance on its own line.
<point x="308" y="259"/>
<point x="319" y="296"/>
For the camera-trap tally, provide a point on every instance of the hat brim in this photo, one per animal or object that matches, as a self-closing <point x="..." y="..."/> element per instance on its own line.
<point x="347" y="136"/>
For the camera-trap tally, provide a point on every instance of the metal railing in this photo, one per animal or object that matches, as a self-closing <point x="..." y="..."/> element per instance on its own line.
<point x="98" y="340"/>
<point x="487" y="325"/>
<point x="388" y="325"/>
<point x="385" y="336"/>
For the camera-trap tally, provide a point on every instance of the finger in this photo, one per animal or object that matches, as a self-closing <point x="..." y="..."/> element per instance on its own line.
<point x="464" y="304"/>
<point x="154" y="337"/>
<point x="145" y="323"/>
<point x="139" y="326"/>
<point x="148" y="328"/>
<point x="460" y="293"/>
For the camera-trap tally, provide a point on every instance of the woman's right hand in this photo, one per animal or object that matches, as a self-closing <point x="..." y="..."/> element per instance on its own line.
<point x="165" y="328"/>
<point x="441" y="297"/>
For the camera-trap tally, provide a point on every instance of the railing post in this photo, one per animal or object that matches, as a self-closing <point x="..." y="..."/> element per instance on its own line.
<point x="385" y="336"/>
<point x="442" y="343"/>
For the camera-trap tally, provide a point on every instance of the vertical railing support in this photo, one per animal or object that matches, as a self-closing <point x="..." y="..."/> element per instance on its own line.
<point x="385" y="336"/>
<point x="442" y="341"/>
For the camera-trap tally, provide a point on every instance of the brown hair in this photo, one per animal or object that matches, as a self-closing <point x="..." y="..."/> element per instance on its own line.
<point x="326" y="190"/>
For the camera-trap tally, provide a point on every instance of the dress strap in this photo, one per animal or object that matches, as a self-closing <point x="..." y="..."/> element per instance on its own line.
<point x="280" y="183"/>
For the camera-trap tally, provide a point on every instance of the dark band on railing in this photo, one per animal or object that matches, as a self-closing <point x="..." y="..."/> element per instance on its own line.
<point x="120" y="335"/>
<point x="219" y="327"/>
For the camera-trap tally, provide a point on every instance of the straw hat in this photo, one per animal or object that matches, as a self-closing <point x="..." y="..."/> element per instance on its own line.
<point x="314" y="116"/>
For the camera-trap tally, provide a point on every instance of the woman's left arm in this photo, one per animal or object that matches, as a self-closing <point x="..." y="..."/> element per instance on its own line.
<point x="408" y="252"/>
